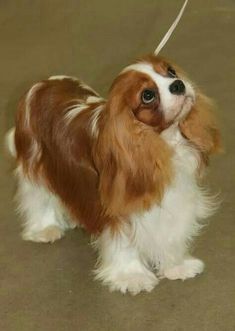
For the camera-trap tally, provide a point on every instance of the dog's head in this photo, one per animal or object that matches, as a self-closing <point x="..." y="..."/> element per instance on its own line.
<point x="133" y="158"/>
<point x="154" y="91"/>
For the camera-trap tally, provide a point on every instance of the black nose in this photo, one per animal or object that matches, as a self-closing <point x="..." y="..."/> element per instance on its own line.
<point x="177" y="87"/>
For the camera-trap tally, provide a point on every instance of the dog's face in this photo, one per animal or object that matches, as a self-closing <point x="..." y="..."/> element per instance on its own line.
<point x="157" y="93"/>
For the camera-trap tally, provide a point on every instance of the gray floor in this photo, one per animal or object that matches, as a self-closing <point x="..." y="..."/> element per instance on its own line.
<point x="50" y="287"/>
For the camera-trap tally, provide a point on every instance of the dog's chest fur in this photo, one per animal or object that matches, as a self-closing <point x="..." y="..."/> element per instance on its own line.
<point x="162" y="228"/>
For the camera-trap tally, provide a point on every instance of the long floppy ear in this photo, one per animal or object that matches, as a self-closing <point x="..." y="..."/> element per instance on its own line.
<point x="132" y="160"/>
<point x="200" y="127"/>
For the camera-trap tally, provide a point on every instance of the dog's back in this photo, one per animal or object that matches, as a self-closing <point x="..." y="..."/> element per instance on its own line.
<point x="56" y="123"/>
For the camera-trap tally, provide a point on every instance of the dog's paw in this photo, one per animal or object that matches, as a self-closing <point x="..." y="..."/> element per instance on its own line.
<point x="49" y="234"/>
<point x="133" y="282"/>
<point x="188" y="269"/>
<point x="134" y="279"/>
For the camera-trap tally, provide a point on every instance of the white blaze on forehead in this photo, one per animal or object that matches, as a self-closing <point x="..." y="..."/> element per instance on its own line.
<point x="146" y="68"/>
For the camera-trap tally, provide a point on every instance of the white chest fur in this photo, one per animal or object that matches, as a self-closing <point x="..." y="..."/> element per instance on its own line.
<point x="162" y="233"/>
<point x="159" y="237"/>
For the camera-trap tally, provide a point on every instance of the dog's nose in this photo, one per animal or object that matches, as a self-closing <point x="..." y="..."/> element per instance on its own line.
<point x="177" y="87"/>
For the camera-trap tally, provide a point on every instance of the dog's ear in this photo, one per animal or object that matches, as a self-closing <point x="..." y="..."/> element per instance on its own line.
<point x="132" y="160"/>
<point x="200" y="127"/>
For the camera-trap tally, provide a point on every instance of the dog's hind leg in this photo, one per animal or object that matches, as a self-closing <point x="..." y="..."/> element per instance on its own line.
<point x="43" y="215"/>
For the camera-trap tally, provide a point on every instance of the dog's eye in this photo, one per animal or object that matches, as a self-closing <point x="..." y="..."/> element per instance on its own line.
<point x="148" y="96"/>
<point x="171" y="72"/>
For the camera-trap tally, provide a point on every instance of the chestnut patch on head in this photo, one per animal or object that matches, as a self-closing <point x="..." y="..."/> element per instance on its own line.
<point x="162" y="66"/>
<point x="148" y="109"/>
<point x="136" y="93"/>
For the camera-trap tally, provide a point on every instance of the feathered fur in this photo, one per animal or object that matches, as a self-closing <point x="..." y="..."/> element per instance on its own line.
<point x="126" y="169"/>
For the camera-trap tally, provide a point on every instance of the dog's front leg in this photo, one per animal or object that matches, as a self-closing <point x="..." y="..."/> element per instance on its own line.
<point x="120" y="266"/>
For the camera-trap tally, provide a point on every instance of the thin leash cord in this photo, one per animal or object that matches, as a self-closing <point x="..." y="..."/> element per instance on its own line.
<point x="170" y="31"/>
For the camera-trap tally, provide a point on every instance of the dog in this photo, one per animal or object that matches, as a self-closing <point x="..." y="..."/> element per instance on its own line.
<point x="127" y="169"/>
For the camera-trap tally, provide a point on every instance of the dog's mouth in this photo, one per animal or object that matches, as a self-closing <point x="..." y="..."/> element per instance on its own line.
<point x="187" y="104"/>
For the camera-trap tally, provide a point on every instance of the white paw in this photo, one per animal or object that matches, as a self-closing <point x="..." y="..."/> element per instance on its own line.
<point x="133" y="282"/>
<point x="188" y="269"/>
<point x="128" y="281"/>
<point x="49" y="234"/>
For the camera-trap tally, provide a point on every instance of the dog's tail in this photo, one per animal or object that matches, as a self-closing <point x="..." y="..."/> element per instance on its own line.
<point x="10" y="142"/>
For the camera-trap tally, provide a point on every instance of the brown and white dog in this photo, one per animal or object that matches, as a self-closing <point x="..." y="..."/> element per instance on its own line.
<point x="127" y="169"/>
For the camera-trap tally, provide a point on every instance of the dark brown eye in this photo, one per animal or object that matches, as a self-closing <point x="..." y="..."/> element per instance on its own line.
<point x="171" y="72"/>
<point x="148" y="96"/>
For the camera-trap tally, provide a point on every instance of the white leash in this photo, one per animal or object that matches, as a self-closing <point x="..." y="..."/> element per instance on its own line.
<point x="171" y="30"/>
